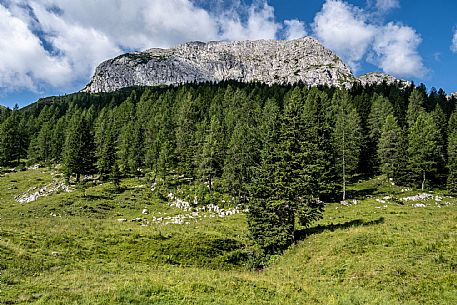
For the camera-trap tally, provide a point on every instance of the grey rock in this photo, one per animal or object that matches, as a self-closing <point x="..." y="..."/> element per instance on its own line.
<point x="374" y="78"/>
<point x="419" y="205"/>
<point x="268" y="61"/>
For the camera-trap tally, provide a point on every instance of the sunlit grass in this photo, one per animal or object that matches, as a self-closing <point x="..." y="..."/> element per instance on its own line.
<point x="369" y="253"/>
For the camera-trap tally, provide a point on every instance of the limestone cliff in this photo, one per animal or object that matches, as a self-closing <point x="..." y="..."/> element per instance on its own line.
<point x="268" y="61"/>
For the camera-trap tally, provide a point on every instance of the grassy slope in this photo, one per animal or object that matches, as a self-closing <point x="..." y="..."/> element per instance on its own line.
<point x="370" y="253"/>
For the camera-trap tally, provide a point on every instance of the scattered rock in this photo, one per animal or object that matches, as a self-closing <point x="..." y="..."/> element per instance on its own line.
<point x="345" y="203"/>
<point x="36" y="192"/>
<point x="145" y="211"/>
<point x="122" y="220"/>
<point x="55" y="253"/>
<point x="419" y="205"/>
<point x="419" y="197"/>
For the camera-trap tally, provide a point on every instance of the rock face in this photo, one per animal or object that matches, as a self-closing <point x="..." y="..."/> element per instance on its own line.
<point x="373" y="78"/>
<point x="271" y="62"/>
<point x="267" y="61"/>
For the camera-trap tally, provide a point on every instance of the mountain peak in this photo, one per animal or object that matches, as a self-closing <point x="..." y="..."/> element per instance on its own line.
<point x="269" y="61"/>
<point x="302" y="60"/>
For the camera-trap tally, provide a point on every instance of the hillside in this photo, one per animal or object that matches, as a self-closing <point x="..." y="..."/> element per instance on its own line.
<point x="76" y="248"/>
<point x="230" y="193"/>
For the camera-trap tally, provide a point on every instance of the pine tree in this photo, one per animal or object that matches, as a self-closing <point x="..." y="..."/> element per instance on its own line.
<point x="318" y="135"/>
<point x="105" y="143"/>
<point x="210" y="161"/>
<point x="388" y="148"/>
<point x="78" y="151"/>
<point x="124" y="148"/>
<point x="58" y="139"/>
<point x="380" y="109"/>
<point x="10" y="139"/>
<point x="285" y="186"/>
<point x="185" y="131"/>
<point x="44" y="143"/>
<point x="423" y="148"/>
<point x="452" y="154"/>
<point x="415" y="106"/>
<point x="346" y="138"/>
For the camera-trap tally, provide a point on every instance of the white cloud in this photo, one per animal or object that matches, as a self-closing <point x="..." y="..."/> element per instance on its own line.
<point x="24" y="63"/>
<point x="74" y="36"/>
<point x="386" y="5"/>
<point x="260" y="23"/>
<point x="396" y="50"/>
<point x="294" y="29"/>
<point x="344" y="29"/>
<point x="59" y="43"/>
<point x="454" y="42"/>
<point x="347" y="30"/>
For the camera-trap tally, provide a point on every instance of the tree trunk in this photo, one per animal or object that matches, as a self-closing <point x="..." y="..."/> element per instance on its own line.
<point x="423" y="181"/>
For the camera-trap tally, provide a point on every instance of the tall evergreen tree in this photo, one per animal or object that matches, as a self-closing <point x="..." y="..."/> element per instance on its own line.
<point x="346" y="138"/>
<point x="388" y="148"/>
<point x="10" y="139"/>
<point x="452" y="154"/>
<point x="105" y="143"/>
<point x="423" y="148"/>
<point x="415" y="106"/>
<point x="210" y="161"/>
<point x="78" y="151"/>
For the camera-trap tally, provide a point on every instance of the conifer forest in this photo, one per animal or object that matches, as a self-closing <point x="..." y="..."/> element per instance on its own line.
<point x="280" y="152"/>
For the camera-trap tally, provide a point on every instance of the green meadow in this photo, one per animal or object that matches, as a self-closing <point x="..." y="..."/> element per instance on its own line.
<point x="95" y="246"/>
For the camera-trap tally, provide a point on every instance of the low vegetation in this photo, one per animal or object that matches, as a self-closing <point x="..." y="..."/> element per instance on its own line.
<point x="95" y="246"/>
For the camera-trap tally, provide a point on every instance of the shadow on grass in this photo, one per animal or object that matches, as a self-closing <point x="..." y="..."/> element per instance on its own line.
<point x="96" y="197"/>
<point x="302" y="234"/>
<point x="359" y="194"/>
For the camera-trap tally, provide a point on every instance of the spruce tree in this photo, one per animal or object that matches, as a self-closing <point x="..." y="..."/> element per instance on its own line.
<point x="105" y="143"/>
<point x="346" y="138"/>
<point x="388" y="148"/>
<point x="452" y="154"/>
<point x="423" y="148"/>
<point x="78" y="151"/>
<point x="210" y="161"/>
<point x="10" y="139"/>
<point x="415" y="106"/>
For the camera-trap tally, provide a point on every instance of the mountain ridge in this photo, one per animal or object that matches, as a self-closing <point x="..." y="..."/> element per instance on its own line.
<point x="269" y="61"/>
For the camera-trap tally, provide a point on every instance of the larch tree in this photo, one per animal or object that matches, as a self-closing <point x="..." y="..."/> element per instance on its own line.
<point x="452" y="154"/>
<point x="346" y="138"/>
<point x="388" y="147"/>
<point x="423" y="148"/>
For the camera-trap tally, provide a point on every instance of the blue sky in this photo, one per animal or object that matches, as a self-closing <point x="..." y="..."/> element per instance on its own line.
<point x="51" y="47"/>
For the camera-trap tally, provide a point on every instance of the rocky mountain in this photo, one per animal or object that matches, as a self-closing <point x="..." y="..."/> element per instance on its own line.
<point x="373" y="78"/>
<point x="268" y="61"/>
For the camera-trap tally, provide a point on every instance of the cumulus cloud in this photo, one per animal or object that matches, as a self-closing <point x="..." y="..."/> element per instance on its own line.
<point x="260" y="24"/>
<point x="24" y="63"/>
<point x="386" y="5"/>
<point x="347" y="30"/>
<point x="344" y="29"/>
<point x="59" y="42"/>
<point x="396" y="50"/>
<point x="294" y="29"/>
<point x="454" y="42"/>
